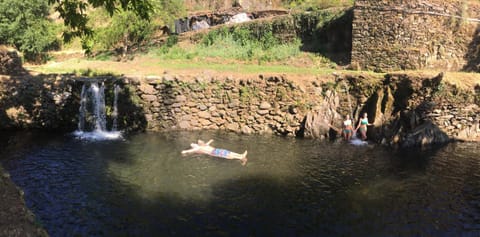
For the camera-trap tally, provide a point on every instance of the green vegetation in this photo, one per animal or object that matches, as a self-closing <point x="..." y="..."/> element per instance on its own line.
<point x="75" y="18"/>
<point x="93" y="73"/>
<point x="232" y="43"/>
<point x="127" y="30"/>
<point x="24" y="24"/>
<point x="317" y="4"/>
<point x="28" y="25"/>
<point x="109" y="28"/>
<point x="260" y="42"/>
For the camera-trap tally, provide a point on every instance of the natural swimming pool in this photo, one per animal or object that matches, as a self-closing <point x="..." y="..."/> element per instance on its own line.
<point x="142" y="186"/>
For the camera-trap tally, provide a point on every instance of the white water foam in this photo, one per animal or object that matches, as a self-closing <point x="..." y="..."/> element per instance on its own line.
<point x="358" y="142"/>
<point x="96" y="96"/>
<point x="98" y="135"/>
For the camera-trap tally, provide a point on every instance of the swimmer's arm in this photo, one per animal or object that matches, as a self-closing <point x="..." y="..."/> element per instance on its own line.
<point x="208" y="143"/>
<point x="189" y="151"/>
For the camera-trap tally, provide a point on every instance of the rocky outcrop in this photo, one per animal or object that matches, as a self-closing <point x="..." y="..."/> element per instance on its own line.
<point x="319" y="121"/>
<point x="415" y="111"/>
<point x="405" y="110"/>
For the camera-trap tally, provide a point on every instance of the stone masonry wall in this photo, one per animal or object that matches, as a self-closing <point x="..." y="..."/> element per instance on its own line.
<point x="412" y="34"/>
<point x="404" y="109"/>
<point x="399" y="105"/>
<point x="258" y="105"/>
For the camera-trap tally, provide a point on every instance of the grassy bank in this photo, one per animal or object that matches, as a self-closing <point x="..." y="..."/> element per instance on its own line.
<point x="154" y="66"/>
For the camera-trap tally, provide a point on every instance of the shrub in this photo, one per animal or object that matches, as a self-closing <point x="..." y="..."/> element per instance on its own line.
<point x="25" y="25"/>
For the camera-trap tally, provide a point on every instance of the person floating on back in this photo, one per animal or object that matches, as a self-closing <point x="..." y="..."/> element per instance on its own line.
<point x="362" y="125"/>
<point x="205" y="148"/>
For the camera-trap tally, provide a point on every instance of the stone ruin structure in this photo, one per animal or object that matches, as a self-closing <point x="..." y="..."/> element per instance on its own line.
<point x="413" y="34"/>
<point x="204" y="20"/>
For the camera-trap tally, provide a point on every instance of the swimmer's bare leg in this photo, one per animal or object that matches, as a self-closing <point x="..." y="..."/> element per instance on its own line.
<point x="244" y="158"/>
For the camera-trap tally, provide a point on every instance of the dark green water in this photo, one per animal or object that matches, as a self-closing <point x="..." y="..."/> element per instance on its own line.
<point x="142" y="186"/>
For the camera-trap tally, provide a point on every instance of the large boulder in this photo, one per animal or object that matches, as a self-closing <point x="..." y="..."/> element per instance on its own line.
<point x="10" y="61"/>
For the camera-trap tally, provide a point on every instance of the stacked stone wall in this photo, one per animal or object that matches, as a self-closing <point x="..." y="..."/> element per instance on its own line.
<point x="400" y="105"/>
<point x="392" y="35"/>
<point x="270" y="104"/>
<point x="42" y="102"/>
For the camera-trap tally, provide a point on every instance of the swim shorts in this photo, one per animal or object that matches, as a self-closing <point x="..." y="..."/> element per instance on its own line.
<point x="220" y="152"/>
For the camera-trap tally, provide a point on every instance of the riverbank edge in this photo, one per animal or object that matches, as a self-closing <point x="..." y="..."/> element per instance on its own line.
<point x="16" y="220"/>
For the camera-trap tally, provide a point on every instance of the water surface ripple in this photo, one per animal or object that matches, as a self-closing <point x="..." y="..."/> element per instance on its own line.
<point x="142" y="186"/>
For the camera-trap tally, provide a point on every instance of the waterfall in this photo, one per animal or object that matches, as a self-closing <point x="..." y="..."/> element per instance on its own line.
<point x="82" y="111"/>
<point x="92" y="119"/>
<point x="115" y="110"/>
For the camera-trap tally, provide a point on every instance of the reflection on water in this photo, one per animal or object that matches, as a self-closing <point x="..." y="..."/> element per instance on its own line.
<point x="143" y="186"/>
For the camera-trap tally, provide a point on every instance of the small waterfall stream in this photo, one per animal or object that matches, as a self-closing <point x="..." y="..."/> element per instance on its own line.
<point x="115" y="109"/>
<point x="82" y="110"/>
<point x="92" y="118"/>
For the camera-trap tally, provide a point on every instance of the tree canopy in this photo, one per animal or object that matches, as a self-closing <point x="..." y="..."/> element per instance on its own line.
<point x="74" y="12"/>
<point x="25" y="25"/>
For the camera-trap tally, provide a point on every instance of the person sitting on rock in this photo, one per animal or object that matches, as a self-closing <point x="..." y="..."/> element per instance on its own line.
<point x="205" y="148"/>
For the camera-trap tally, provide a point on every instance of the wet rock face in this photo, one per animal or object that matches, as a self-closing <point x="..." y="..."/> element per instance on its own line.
<point x="10" y="62"/>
